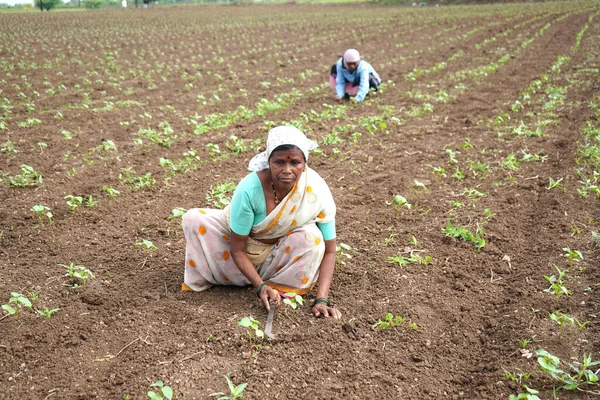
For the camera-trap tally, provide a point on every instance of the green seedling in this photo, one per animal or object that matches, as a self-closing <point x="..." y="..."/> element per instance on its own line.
<point x="209" y="337"/>
<point x="28" y="177"/>
<point x="235" y="392"/>
<point x="67" y="135"/>
<point x="146" y="245"/>
<point x="412" y="259"/>
<point x="561" y="319"/>
<point x="557" y="284"/>
<point x="487" y="213"/>
<point x="390" y="239"/>
<point x="413" y="241"/>
<point x="90" y="202"/>
<point x="110" y="192"/>
<point x="414" y="326"/>
<point x="47" y="313"/>
<point x="8" y="147"/>
<point x="164" y="392"/>
<point x="458" y="174"/>
<point x="253" y="328"/>
<point x="292" y="299"/>
<point x="466" y="235"/>
<point x="452" y="156"/>
<point x="419" y="186"/>
<point x="42" y="211"/>
<point x="73" y="202"/>
<point x="525" y="342"/>
<point x="77" y="273"/>
<point x="555" y="183"/>
<point x="176" y="213"/>
<point x="550" y="365"/>
<point x="15" y="303"/>
<point x="220" y="194"/>
<point x="596" y="237"/>
<point x="389" y="322"/>
<point x="439" y="172"/>
<point x="399" y="201"/>
<point x="236" y="145"/>
<point x="35" y="296"/>
<point x="572" y="255"/>
<point x="531" y="394"/>
<point x="341" y="252"/>
<point x="518" y="376"/>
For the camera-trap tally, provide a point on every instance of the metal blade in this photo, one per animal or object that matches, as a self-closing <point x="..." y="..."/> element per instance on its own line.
<point x="270" y="318"/>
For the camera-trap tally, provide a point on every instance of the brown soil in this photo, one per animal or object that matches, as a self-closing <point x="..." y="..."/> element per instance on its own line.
<point x="131" y="325"/>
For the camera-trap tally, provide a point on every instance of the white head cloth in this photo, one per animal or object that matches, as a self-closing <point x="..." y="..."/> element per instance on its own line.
<point x="351" y="56"/>
<point x="278" y="136"/>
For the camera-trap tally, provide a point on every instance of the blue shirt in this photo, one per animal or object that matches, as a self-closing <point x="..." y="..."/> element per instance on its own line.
<point x="360" y="75"/>
<point x="248" y="207"/>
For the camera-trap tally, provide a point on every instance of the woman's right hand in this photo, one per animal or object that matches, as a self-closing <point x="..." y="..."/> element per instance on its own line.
<point x="268" y="295"/>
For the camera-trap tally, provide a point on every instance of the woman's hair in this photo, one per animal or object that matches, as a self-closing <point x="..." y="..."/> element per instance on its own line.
<point x="285" y="147"/>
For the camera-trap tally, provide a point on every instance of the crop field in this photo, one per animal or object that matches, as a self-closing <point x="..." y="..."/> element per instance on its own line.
<point x="467" y="188"/>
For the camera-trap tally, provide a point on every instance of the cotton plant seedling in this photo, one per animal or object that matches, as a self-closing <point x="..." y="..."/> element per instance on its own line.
<point x="389" y="241"/>
<point x="46" y="312"/>
<point x="236" y="145"/>
<point x="487" y="213"/>
<point x="220" y="194"/>
<point x="28" y="177"/>
<point x="164" y="391"/>
<point x="561" y="319"/>
<point x="15" y="303"/>
<point x="465" y="234"/>
<point x="235" y="392"/>
<point x="452" y="156"/>
<point x="399" y="201"/>
<point x="555" y="183"/>
<point x="293" y="300"/>
<point x="90" y="202"/>
<point x="412" y="259"/>
<point x="596" y="238"/>
<point x="73" y="202"/>
<point x="253" y="328"/>
<point x="110" y="192"/>
<point x="439" y="172"/>
<point x="66" y="134"/>
<point x="419" y="186"/>
<point x="341" y="252"/>
<point x="458" y="174"/>
<point x="557" y="284"/>
<point x="572" y="255"/>
<point x="390" y="321"/>
<point x="42" y="211"/>
<point x="176" y="213"/>
<point x="146" y="245"/>
<point x="77" y="274"/>
<point x="530" y="394"/>
<point x="586" y="372"/>
<point x="518" y="376"/>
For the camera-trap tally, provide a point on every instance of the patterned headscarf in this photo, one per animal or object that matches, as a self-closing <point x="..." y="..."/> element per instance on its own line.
<point x="278" y="136"/>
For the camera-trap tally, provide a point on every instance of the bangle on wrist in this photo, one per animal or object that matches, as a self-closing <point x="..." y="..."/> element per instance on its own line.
<point x="259" y="288"/>
<point x="322" y="300"/>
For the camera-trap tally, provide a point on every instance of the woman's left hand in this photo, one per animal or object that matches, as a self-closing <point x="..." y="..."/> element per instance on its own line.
<point x="323" y="310"/>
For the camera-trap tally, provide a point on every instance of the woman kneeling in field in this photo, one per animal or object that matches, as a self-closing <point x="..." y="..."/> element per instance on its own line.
<point x="351" y="76"/>
<point x="278" y="233"/>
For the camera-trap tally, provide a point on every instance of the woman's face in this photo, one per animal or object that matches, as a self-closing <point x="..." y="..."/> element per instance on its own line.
<point x="286" y="166"/>
<point x="351" y="66"/>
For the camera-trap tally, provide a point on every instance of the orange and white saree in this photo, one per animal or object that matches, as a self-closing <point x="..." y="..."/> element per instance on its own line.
<point x="290" y="265"/>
